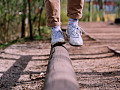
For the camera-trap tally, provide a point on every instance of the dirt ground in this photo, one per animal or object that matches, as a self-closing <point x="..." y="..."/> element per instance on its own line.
<point x="97" y="66"/>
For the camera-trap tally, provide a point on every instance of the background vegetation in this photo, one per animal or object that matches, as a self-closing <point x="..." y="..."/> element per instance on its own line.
<point x="27" y="19"/>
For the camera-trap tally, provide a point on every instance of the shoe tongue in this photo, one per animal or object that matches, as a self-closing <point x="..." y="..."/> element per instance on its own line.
<point x="74" y="25"/>
<point x="56" y="28"/>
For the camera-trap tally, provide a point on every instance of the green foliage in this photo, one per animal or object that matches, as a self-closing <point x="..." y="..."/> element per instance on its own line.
<point x="86" y="14"/>
<point x="8" y="44"/>
<point x="11" y="13"/>
<point x="118" y="8"/>
<point x="43" y="18"/>
<point x="45" y="30"/>
<point x="118" y="2"/>
<point x="46" y="34"/>
<point x="64" y="18"/>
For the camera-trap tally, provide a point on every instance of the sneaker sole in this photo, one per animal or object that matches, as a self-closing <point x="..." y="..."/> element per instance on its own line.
<point x="76" y="45"/>
<point x="58" y="44"/>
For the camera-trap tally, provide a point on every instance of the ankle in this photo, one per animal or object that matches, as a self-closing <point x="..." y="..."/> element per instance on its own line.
<point x="73" y="22"/>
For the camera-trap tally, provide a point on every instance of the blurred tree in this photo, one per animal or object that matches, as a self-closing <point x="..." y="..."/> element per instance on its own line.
<point x="90" y="10"/>
<point x="100" y="4"/>
<point x="118" y="8"/>
<point x="23" y="19"/>
<point x="14" y="15"/>
<point x="29" y="15"/>
<point x="40" y="13"/>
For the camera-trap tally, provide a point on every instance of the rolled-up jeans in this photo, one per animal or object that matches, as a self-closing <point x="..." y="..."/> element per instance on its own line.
<point x="52" y="7"/>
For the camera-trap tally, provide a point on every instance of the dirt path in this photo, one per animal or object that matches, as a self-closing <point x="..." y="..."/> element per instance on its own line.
<point x="23" y="66"/>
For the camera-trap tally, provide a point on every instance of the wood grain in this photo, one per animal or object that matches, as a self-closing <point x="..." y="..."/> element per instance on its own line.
<point x="60" y="73"/>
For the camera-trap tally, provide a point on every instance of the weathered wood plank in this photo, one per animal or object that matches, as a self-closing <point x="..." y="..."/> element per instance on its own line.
<point x="60" y="73"/>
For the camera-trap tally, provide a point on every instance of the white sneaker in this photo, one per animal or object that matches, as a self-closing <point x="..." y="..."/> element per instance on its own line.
<point x="57" y="38"/>
<point x="74" y="33"/>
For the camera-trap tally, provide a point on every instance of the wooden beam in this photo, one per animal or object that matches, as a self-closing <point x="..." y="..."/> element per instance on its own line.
<point x="60" y="73"/>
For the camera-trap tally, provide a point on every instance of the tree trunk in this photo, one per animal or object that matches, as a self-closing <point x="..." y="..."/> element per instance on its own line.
<point x="96" y="4"/>
<point x="103" y="10"/>
<point x="39" y="21"/>
<point x="23" y="20"/>
<point x="90" y="6"/>
<point x="100" y="4"/>
<point x="30" y="23"/>
<point x="4" y="23"/>
<point x="7" y="22"/>
<point x="41" y="9"/>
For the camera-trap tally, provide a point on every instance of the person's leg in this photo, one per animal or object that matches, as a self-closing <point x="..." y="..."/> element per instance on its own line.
<point x="74" y="8"/>
<point x="52" y="8"/>
<point x="74" y="12"/>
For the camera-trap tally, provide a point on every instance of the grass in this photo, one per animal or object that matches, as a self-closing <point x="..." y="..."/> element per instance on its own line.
<point x="45" y="35"/>
<point x="2" y="46"/>
<point x="23" y="40"/>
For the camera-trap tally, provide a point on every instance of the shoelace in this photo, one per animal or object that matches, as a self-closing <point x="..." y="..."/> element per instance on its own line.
<point x="75" y="32"/>
<point x="81" y="30"/>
